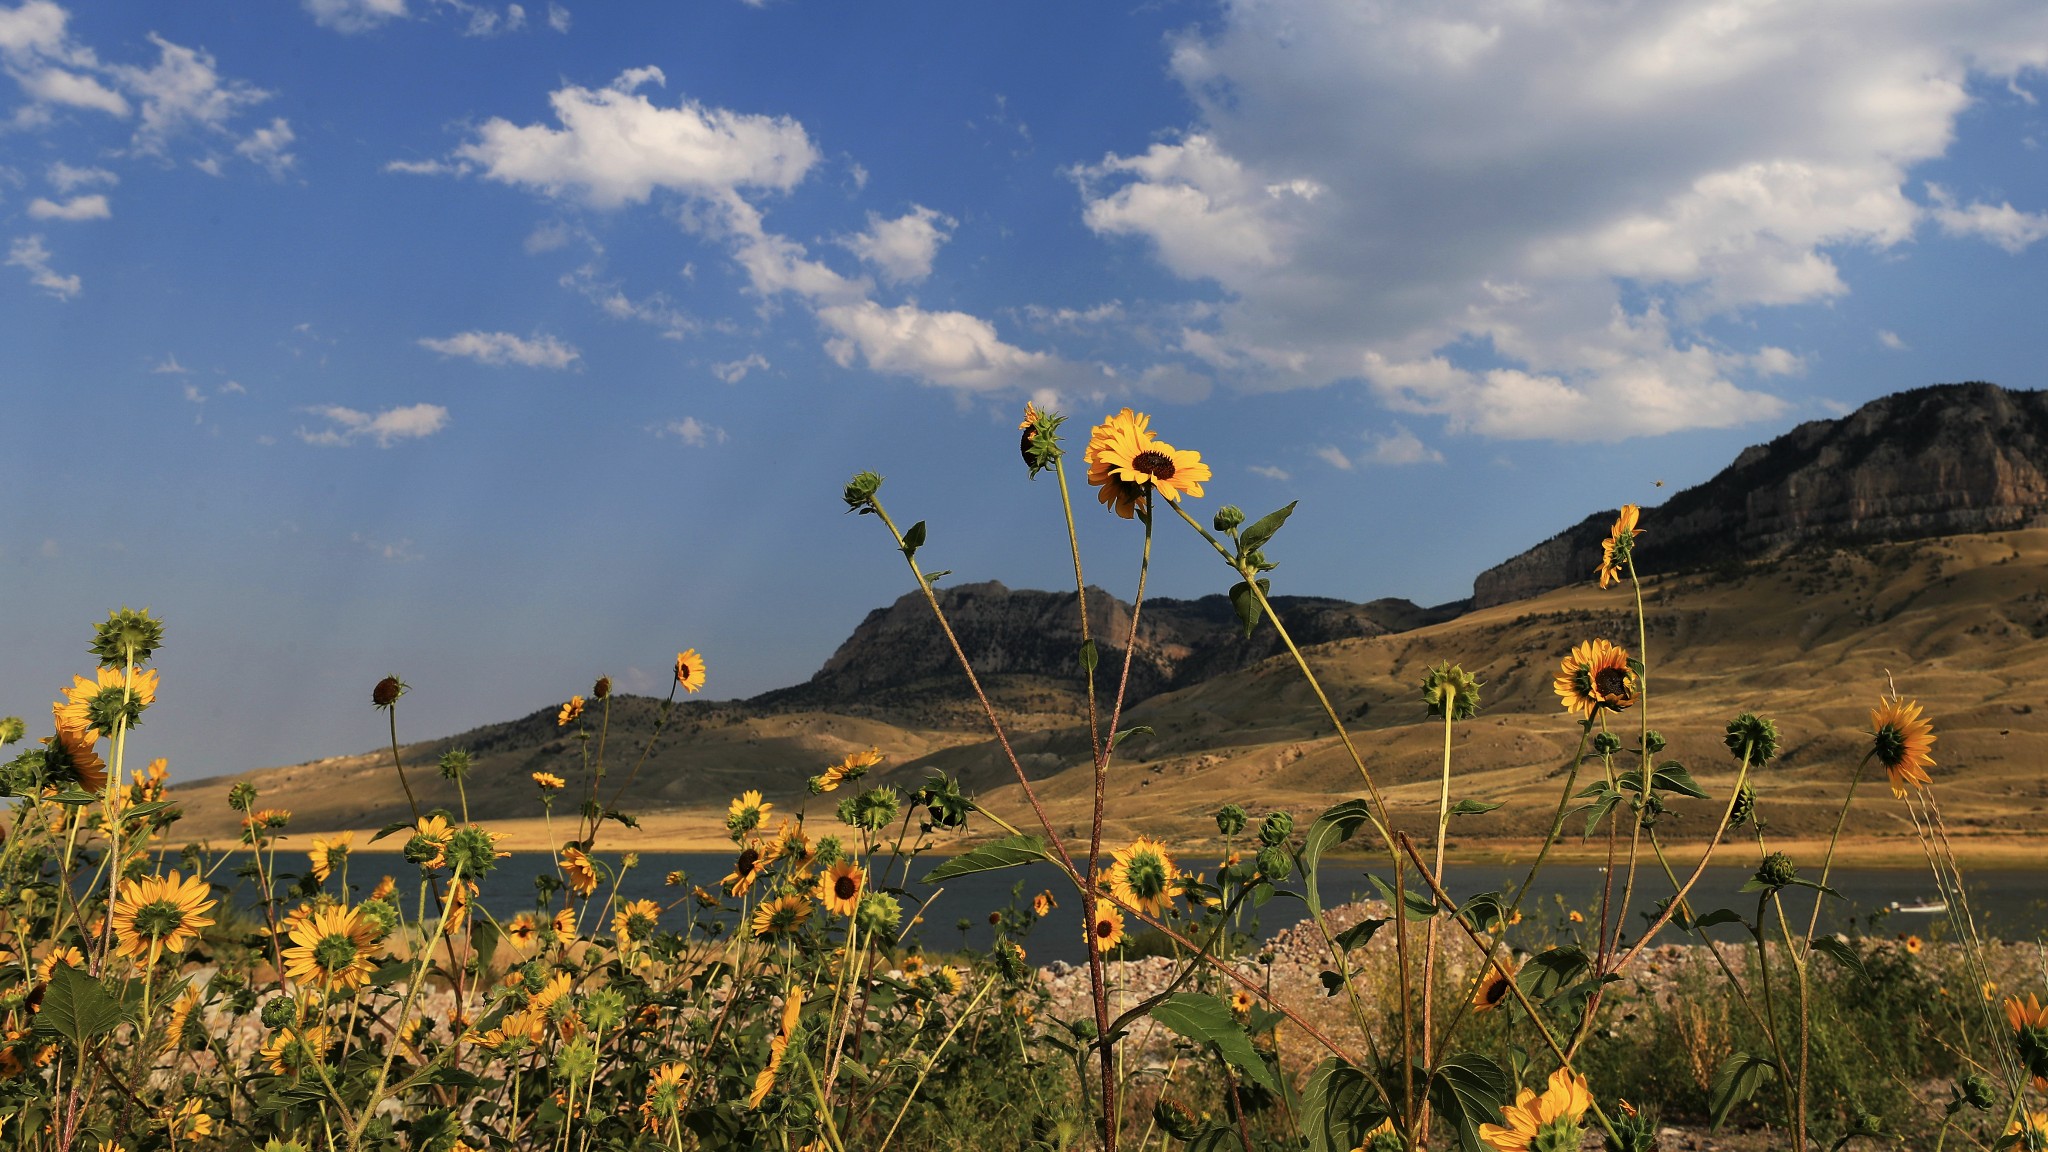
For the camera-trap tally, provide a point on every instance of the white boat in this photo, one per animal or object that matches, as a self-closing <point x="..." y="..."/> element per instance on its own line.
<point x="1921" y="907"/>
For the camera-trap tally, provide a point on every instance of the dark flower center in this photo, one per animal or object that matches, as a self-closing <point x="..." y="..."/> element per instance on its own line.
<point x="1611" y="682"/>
<point x="1891" y="746"/>
<point x="845" y="887"/>
<point x="1105" y="928"/>
<point x="1496" y="991"/>
<point x="1157" y="465"/>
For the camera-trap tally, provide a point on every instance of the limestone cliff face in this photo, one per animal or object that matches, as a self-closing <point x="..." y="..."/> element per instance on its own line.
<point x="898" y="650"/>
<point x="1929" y="462"/>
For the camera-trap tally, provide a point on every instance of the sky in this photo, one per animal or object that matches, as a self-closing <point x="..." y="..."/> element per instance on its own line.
<point x="498" y="346"/>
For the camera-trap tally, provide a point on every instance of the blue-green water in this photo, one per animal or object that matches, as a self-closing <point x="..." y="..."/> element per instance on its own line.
<point x="2009" y="903"/>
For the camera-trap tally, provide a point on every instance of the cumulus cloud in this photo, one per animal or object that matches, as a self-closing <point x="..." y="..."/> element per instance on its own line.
<point x="270" y="147"/>
<point x="37" y="50"/>
<point x="346" y="426"/>
<point x="1270" y="472"/>
<point x="1886" y="338"/>
<point x="93" y="207"/>
<point x="902" y="249"/>
<point x="67" y="178"/>
<point x="558" y="18"/>
<point x="1574" y="188"/>
<point x="2003" y="225"/>
<point x="955" y="349"/>
<point x="352" y="16"/>
<point x="183" y="92"/>
<point x="1401" y="447"/>
<point x="734" y="371"/>
<point x="28" y="254"/>
<point x="692" y="431"/>
<point x="1334" y="456"/>
<point x="502" y="348"/>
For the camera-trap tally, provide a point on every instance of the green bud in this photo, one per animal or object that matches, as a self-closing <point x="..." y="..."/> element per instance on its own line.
<point x="1230" y="819"/>
<point x="1449" y="685"/>
<point x="878" y="914"/>
<point x="533" y="976"/>
<point x="387" y="691"/>
<point x="127" y="635"/>
<point x="1755" y="734"/>
<point x="1654" y="741"/>
<point x="1277" y="826"/>
<point x="279" y="1011"/>
<point x="576" y="1061"/>
<point x="1276" y="863"/>
<point x="381" y="915"/>
<point x="860" y="492"/>
<point x="1776" y="871"/>
<point x="12" y="730"/>
<point x="1228" y="518"/>
<point x="242" y="796"/>
<point x="454" y="765"/>
<point x="1606" y="743"/>
<point x="1745" y="807"/>
<point x="472" y="850"/>
<point x="604" y="1008"/>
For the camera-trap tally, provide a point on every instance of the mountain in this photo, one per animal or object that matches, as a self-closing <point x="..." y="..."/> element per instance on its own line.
<point x="1936" y="461"/>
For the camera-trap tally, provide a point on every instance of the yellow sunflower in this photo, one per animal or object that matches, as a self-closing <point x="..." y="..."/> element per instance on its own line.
<point x="1902" y="738"/>
<point x="1494" y="989"/>
<point x="764" y="1081"/>
<point x="290" y="1052"/>
<point x="839" y="889"/>
<point x="551" y="993"/>
<point x="577" y="871"/>
<point x="570" y="713"/>
<point x="1143" y="875"/>
<point x="1547" y="1121"/>
<point x="782" y="915"/>
<point x="1241" y="1002"/>
<point x="522" y="929"/>
<point x="191" y="1121"/>
<point x="635" y="922"/>
<point x="1108" y="929"/>
<point x="1595" y="676"/>
<point x="2031" y="1128"/>
<point x="1042" y="904"/>
<point x="160" y="915"/>
<point x="852" y="768"/>
<point x="689" y="670"/>
<point x="746" y="869"/>
<point x="747" y="813"/>
<point x="334" y="948"/>
<point x="1615" y="550"/>
<point x="97" y="703"/>
<point x="664" y="1098"/>
<point x="327" y="855"/>
<point x="2023" y="1015"/>
<point x="1122" y="449"/>
<point x="1913" y="945"/>
<point x="549" y="782"/>
<point x="563" y="927"/>
<point x="428" y="846"/>
<point x="75" y="748"/>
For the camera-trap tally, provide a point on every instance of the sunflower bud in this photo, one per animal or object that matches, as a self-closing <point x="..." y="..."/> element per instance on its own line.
<point x="279" y="1011"/>
<point x="1228" y="518"/>
<point x="1230" y="819"/>
<point x="1745" y="807"/>
<point x="242" y="796"/>
<point x="1276" y="863"/>
<point x="533" y="976"/>
<point x="381" y="915"/>
<point x="878" y="913"/>
<point x="577" y="1061"/>
<point x="860" y="492"/>
<point x="1976" y="1091"/>
<point x="12" y="730"/>
<point x="1754" y="736"/>
<point x="454" y="765"/>
<point x="1010" y="962"/>
<point x="1606" y="743"/>
<point x="1776" y="871"/>
<point x="127" y="636"/>
<point x="472" y="850"/>
<point x="1654" y="741"/>
<point x="387" y="691"/>
<point x="1039" y="442"/>
<point x="1275" y="828"/>
<point x="1449" y="688"/>
<point x="601" y="689"/>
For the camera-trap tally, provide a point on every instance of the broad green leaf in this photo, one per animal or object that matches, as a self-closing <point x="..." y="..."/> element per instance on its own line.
<point x="1247" y="604"/>
<point x="1468" y="1090"/>
<point x="1719" y="916"/>
<point x="1357" y="935"/>
<point x="75" y="798"/>
<point x="1261" y="530"/>
<point x="1090" y="656"/>
<point x="1598" y="810"/>
<point x="1737" y="1080"/>
<point x="913" y="539"/>
<point x="1843" y="954"/>
<point x="1473" y="807"/>
<point x="1336" y="825"/>
<point x="1419" y="907"/>
<point x="1339" y="1105"/>
<point x="77" y="1008"/>
<point x="1008" y="852"/>
<point x="388" y="829"/>
<point x="1672" y="777"/>
<point x="1119" y="738"/>
<point x="1550" y="970"/>
<point x="1207" y="1020"/>
<point x="1483" y="911"/>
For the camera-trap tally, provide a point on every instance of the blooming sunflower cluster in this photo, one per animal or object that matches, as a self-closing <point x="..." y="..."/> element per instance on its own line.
<point x="1127" y="464"/>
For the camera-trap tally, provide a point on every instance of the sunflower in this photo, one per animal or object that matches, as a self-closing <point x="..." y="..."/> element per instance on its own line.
<point x="428" y="846"/>
<point x="790" y="844"/>
<point x="689" y="670"/>
<point x="549" y="782"/>
<point x="521" y="929"/>
<point x="1913" y="945"/>
<point x="182" y="1011"/>
<point x="69" y="956"/>
<point x="635" y="922"/>
<point x="1143" y="875"/>
<point x="2032" y="1130"/>
<point x="1241" y="1002"/>
<point x="385" y="887"/>
<point x="2023" y="1015"/>
<point x="746" y="869"/>
<point x="570" y="713"/>
<point x="764" y="1081"/>
<point x="746" y="813"/>
<point x="1615" y="551"/>
<point x="782" y="915"/>
<point x="327" y="855"/>
<point x="553" y="992"/>
<point x="1542" y="1122"/>
<point x="160" y="915"/>
<point x="1108" y="930"/>
<point x="839" y="889"/>
<point x="948" y="980"/>
<point x="664" y="1098"/>
<point x="1595" y="676"/>
<point x="103" y="701"/>
<point x="290" y="1051"/>
<point x="191" y="1121"/>
<point x="1042" y="904"/>
<point x="75" y="760"/>
<point x="1125" y="462"/>
<point x="1901" y="739"/>
<point x="852" y="768"/>
<point x="333" y="948"/>
<point x="577" y="870"/>
<point x="563" y="927"/>
<point x="1494" y="989"/>
<point x="1575" y="916"/>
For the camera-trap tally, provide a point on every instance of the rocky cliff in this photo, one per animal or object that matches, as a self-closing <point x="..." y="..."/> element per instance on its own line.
<point x="1950" y="458"/>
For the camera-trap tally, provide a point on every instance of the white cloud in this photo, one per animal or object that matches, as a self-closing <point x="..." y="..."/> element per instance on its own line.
<point x="183" y="91"/>
<point x="60" y="86"/>
<point x="1374" y="185"/>
<point x="351" y="16"/>
<point x="1892" y="340"/>
<point x="2004" y="225"/>
<point x="346" y="426"/>
<point x="735" y="371"/>
<point x="1334" y="456"/>
<point x="28" y="253"/>
<point x="902" y="249"/>
<point x="169" y="366"/>
<point x="66" y="178"/>
<point x="954" y="349"/>
<point x="501" y="348"/>
<point x="558" y="17"/>
<point x="616" y="147"/>
<point x="399" y="552"/>
<point x="93" y="207"/>
<point x="692" y="431"/>
<point x="1401" y="447"/>
<point x="485" y="21"/>
<point x="37" y="50"/>
<point x="1270" y="472"/>
<point x="270" y="148"/>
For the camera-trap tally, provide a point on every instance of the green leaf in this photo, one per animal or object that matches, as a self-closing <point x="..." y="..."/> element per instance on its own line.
<point x="1247" y="604"/>
<point x="1551" y="970"/>
<point x="1719" y="916"/>
<point x="388" y="829"/>
<point x="1483" y="911"/>
<point x="1468" y="1090"/>
<point x="1473" y="807"/>
<point x="1339" y="1105"/>
<point x="913" y="540"/>
<point x="75" y="798"/>
<point x="1261" y="530"/>
<point x="1672" y="777"/>
<point x="1008" y="852"/>
<point x="1737" y="1080"/>
<point x="1598" y="810"/>
<point x="1207" y="1020"/>
<point x="1089" y="656"/>
<point x="144" y="811"/>
<point x="933" y="577"/>
<point x="1357" y="935"/>
<point x="77" y="1008"/>
<point x="1119" y="738"/>
<point x="1843" y="954"/>
<point x="1336" y="825"/>
<point x="1419" y="907"/>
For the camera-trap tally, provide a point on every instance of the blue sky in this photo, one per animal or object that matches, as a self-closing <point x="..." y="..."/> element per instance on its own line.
<point x="501" y="346"/>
